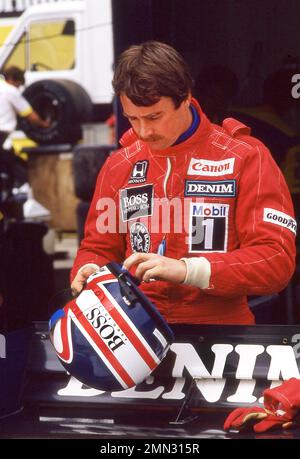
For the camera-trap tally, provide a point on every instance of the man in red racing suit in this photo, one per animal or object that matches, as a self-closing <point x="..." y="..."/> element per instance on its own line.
<point x="215" y="202"/>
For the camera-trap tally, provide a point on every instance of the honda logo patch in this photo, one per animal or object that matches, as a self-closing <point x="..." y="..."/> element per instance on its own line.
<point x="139" y="172"/>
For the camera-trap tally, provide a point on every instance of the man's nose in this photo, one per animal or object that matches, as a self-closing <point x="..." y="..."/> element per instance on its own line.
<point x="145" y="130"/>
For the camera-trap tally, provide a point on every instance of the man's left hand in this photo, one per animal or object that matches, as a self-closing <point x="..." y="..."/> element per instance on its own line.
<point x="150" y="266"/>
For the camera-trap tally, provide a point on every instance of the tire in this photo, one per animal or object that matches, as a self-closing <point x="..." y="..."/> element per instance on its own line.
<point x="87" y="162"/>
<point x="65" y="103"/>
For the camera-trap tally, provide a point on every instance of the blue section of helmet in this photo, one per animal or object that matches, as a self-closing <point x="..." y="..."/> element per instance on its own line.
<point x="86" y="365"/>
<point x="55" y="317"/>
<point x="142" y="299"/>
<point x="145" y="323"/>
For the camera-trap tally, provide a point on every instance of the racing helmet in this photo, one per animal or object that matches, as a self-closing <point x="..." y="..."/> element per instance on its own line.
<point x="110" y="337"/>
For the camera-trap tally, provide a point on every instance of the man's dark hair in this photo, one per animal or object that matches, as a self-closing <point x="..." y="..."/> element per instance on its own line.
<point x="151" y="70"/>
<point x="15" y="74"/>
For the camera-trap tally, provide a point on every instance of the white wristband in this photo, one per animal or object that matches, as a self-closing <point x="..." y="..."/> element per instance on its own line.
<point x="198" y="272"/>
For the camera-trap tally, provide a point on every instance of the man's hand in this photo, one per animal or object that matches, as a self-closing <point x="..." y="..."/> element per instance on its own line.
<point x="152" y="266"/>
<point x="35" y="118"/>
<point x="81" y="277"/>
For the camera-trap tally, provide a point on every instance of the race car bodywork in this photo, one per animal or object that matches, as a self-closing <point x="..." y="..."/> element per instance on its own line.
<point x="208" y="371"/>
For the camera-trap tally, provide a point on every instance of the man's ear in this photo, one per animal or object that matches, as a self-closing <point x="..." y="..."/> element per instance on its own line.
<point x="188" y="99"/>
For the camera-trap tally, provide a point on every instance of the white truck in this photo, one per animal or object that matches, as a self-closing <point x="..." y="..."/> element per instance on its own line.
<point x="66" y="50"/>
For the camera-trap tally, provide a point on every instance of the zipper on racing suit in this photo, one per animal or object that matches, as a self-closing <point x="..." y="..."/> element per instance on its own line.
<point x="163" y="244"/>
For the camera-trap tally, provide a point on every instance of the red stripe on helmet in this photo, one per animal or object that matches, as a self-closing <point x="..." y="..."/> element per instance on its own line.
<point x="102" y="346"/>
<point x="123" y="324"/>
<point x="66" y="352"/>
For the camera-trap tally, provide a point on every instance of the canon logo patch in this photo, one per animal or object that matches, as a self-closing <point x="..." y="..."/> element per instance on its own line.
<point x="206" y="167"/>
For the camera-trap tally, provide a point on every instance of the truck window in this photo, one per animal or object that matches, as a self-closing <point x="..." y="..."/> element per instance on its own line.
<point x="51" y="45"/>
<point x="18" y="55"/>
<point x="45" y="46"/>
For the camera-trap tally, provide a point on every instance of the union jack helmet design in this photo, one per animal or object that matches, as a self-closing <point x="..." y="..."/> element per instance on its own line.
<point x="111" y="337"/>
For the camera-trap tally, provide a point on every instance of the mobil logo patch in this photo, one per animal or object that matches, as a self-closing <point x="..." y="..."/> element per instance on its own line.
<point x="222" y="188"/>
<point x="209" y="168"/>
<point x="209" y="210"/>
<point x="208" y="230"/>
<point x="136" y="202"/>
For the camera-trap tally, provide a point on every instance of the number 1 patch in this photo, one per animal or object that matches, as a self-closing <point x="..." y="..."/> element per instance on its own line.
<point x="208" y="230"/>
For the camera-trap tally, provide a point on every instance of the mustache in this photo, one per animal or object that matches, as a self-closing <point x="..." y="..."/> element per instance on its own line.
<point x="151" y="139"/>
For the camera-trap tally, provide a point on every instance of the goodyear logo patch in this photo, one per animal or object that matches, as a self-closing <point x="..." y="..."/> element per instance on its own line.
<point x="280" y="218"/>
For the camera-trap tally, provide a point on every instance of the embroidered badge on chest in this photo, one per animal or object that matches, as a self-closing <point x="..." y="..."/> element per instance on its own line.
<point x="136" y="202"/>
<point x="139" y="172"/>
<point x="208" y="230"/>
<point x="211" y="168"/>
<point x="139" y="237"/>
<point x="220" y="188"/>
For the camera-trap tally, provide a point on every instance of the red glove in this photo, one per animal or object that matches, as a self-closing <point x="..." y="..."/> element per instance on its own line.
<point x="284" y="400"/>
<point x="281" y="409"/>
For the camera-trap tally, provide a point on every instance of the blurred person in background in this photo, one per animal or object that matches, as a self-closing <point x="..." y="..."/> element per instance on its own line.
<point x="12" y="105"/>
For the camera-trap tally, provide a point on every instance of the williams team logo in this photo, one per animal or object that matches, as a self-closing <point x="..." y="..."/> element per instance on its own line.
<point x="139" y="237"/>
<point x="139" y="172"/>
<point x="211" y="168"/>
<point x="224" y="188"/>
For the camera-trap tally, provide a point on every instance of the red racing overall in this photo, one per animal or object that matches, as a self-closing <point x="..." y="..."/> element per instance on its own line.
<point x="237" y="210"/>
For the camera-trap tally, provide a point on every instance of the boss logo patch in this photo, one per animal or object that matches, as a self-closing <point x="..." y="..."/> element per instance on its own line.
<point x="280" y="218"/>
<point x="208" y="227"/>
<point x="139" y="237"/>
<point x="211" y="168"/>
<point x="139" y="172"/>
<point x="224" y="188"/>
<point x="136" y="202"/>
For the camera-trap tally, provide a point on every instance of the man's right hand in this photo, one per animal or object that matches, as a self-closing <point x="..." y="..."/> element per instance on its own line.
<point x="35" y="118"/>
<point x="81" y="277"/>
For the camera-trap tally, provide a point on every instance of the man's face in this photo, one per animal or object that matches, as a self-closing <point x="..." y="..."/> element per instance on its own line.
<point x="160" y="124"/>
<point x="15" y="83"/>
